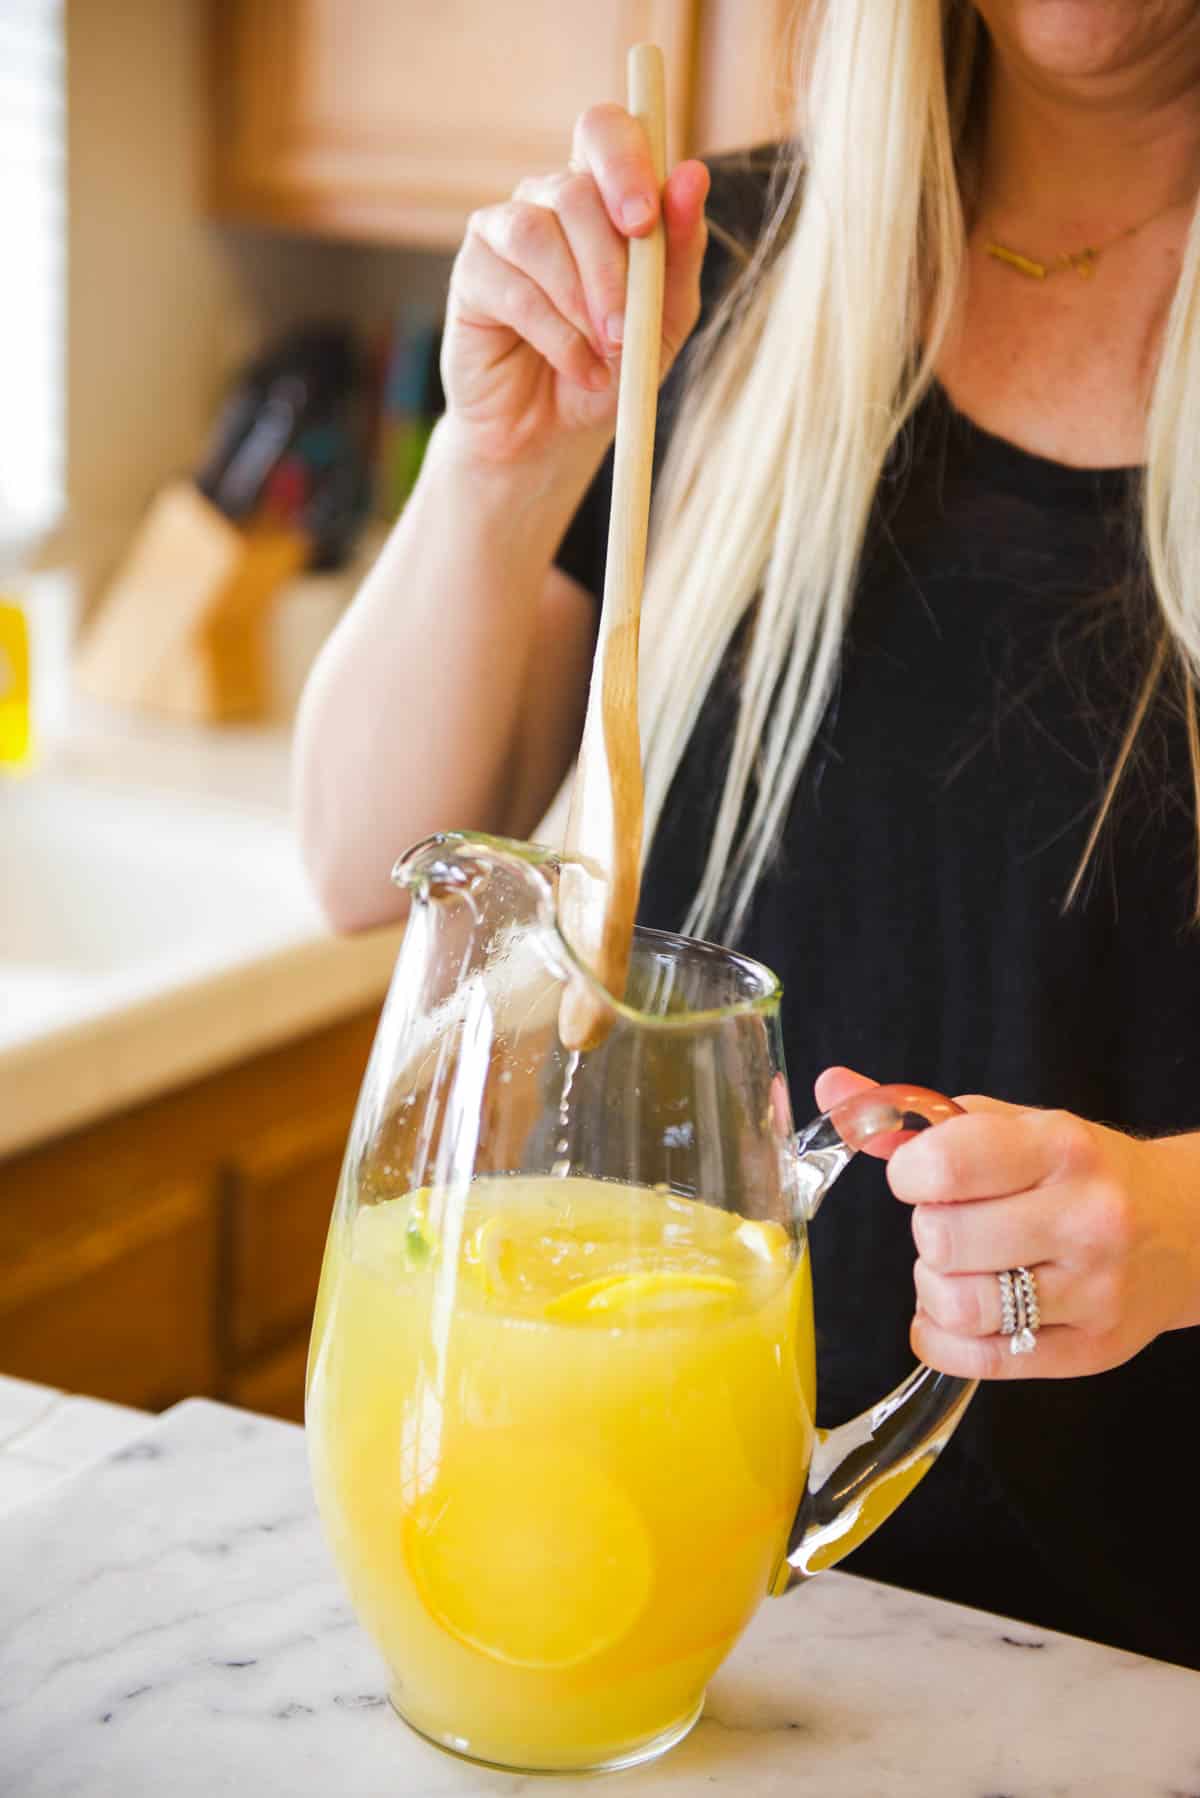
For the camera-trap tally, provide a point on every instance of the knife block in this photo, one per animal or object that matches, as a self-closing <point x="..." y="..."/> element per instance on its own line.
<point x="181" y="627"/>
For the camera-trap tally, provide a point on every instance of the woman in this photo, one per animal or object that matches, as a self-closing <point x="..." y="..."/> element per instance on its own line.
<point x="921" y="640"/>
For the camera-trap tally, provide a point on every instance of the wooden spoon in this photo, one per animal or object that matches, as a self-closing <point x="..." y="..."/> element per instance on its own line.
<point x="598" y="900"/>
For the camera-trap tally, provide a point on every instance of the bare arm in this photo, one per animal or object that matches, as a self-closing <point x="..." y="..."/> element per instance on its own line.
<point x="452" y="694"/>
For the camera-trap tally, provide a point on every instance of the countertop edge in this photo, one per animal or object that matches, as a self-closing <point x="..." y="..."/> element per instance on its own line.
<point x="71" y="1077"/>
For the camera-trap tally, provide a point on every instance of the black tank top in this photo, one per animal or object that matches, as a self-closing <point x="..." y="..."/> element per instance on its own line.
<point x="915" y="914"/>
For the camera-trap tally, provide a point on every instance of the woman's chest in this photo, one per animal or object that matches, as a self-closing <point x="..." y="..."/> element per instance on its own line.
<point x="992" y="667"/>
<point x="1065" y="365"/>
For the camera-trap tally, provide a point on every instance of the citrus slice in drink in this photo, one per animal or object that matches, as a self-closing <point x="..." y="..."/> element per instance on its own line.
<point x="492" y="1254"/>
<point x="529" y="1554"/>
<point x="651" y="1293"/>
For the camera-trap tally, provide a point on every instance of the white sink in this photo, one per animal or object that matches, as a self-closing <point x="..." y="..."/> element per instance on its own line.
<point x="110" y="892"/>
<point x="155" y="923"/>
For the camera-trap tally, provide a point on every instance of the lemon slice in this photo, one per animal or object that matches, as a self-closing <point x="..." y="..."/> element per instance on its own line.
<point x="615" y="1293"/>
<point x="492" y="1254"/>
<point x="537" y="1559"/>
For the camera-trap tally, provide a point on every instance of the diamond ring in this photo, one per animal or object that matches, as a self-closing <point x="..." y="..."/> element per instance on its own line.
<point x="1020" y="1309"/>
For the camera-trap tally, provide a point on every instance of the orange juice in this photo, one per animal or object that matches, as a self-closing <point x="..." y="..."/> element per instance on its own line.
<point x="558" y="1429"/>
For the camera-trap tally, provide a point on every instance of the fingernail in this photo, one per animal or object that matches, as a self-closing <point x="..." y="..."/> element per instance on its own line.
<point x="635" y="213"/>
<point x="614" y="327"/>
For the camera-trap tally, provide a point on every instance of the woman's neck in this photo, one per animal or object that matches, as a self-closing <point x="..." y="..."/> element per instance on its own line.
<point x="1105" y="157"/>
<point x="1075" y="158"/>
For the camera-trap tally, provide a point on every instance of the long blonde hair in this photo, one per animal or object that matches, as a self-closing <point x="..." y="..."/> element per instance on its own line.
<point x="809" y="373"/>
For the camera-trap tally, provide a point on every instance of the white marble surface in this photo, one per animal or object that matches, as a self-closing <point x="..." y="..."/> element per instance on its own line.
<point x="170" y="1624"/>
<point x="156" y="923"/>
<point x="47" y="1435"/>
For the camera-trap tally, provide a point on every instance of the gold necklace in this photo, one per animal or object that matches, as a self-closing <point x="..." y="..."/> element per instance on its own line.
<point x="1082" y="261"/>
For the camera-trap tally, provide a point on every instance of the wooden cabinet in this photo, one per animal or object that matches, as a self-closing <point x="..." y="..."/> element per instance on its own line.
<point x="278" y="1194"/>
<point x="392" y="119"/>
<point x="273" y="1384"/>
<point x="174" y="1250"/>
<point x="121" y="1307"/>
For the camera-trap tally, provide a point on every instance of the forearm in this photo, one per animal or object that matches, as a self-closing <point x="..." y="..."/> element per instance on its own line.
<point x="411" y="719"/>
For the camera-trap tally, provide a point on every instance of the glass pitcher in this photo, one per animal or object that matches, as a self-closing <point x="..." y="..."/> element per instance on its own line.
<point x="561" y="1386"/>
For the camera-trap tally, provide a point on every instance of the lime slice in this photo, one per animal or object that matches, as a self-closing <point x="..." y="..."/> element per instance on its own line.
<point x="394" y="1237"/>
<point x="613" y="1294"/>
<point x="420" y="1237"/>
<point x="536" y="1558"/>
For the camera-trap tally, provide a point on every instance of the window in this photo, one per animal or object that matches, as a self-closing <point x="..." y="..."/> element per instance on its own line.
<point x="32" y="264"/>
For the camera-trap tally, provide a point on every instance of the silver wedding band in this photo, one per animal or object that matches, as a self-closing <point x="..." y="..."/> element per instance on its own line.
<point x="1020" y="1310"/>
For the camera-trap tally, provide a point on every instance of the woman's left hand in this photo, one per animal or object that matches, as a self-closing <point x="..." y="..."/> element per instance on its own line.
<point x="1109" y="1225"/>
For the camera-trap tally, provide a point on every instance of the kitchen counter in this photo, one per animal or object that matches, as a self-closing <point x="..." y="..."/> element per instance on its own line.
<point x="172" y="1624"/>
<point x="155" y="923"/>
<point x="47" y="1435"/>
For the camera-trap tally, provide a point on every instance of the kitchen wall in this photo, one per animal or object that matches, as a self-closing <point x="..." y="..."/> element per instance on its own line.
<point x="162" y="304"/>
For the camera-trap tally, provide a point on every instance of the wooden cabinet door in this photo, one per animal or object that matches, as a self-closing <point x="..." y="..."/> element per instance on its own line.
<point x="275" y="1384"/>
<point x="279" y="1194"/>
<point x="393" y="119"/>
<point x="116" y="1302"/>
<point x="173" y="1250"/>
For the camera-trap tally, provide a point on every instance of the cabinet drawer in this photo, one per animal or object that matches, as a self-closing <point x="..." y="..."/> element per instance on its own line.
<point x="280" y="1196"/>
<point x="123" y="1311"/>
<point x="274" y="1385"/>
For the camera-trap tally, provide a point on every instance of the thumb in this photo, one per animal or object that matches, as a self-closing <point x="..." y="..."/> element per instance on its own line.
<point x="837" y="1084"/>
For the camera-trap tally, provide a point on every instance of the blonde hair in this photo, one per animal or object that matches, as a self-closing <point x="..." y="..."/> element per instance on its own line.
<point x="806" y="378"/>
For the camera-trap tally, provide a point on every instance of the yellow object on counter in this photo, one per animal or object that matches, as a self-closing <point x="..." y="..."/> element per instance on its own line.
<point x="14" y="684"/>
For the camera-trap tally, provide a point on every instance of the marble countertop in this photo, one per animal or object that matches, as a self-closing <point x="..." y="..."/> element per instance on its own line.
<point x="47" y="1435"/>
<point x="155" y="922"/>
<point x="170" y="1623"/>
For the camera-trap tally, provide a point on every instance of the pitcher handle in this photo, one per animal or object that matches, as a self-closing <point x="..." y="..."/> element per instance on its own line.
<point x="862" y="1470"/>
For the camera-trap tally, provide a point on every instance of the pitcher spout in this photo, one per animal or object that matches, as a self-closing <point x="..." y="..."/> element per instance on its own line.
<point x="454" y="863"/>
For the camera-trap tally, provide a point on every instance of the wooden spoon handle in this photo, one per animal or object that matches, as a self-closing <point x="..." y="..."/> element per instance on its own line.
<point x="641" y="360"/>
<point x="597" y="909"/>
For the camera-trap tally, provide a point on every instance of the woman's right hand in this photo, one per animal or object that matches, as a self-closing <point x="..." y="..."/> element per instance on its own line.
<point x="533" y="322"/>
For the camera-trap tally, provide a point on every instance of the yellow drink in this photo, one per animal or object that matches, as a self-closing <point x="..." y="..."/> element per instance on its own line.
<point x="558" y="1429"/>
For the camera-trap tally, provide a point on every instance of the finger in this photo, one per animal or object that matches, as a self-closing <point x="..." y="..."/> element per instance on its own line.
<point x="848" y="1082"/>
<point x="982" y="1236"/>
<point x="972" y="1305"/>
<point x="532" y="239"/>
<point x="598" y="248"/>
<point x="834" y="1087"/>
<point x="836" y="1084"/>
<point x="687" y="237"/>
<point x="612" y="145"/>
<point x="488" y="292"/>
<point x="985" y="1154"/>
<point x="1061" y="1353"/>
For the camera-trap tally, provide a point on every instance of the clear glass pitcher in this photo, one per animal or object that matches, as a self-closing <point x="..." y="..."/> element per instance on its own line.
<point x="562" y="1386"/>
